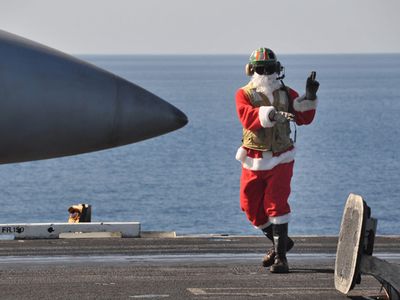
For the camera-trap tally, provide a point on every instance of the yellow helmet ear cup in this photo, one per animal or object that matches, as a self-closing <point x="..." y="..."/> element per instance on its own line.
<point x="249" y="70"/>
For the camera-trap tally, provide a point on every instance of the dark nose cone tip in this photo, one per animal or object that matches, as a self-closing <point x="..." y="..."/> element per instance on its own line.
<point x="142" y="115"/>
<point x="181" y="118"/>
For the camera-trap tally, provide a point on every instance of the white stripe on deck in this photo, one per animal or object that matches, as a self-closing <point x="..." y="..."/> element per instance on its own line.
<point x="175" y="258"/>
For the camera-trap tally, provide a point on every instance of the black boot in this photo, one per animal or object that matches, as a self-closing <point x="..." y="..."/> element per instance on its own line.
<point x="269" y="257"/>
<point x="280" y="234"/>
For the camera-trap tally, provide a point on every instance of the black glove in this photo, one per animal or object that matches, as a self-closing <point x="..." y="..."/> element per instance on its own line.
<point x="280" y="116"/>
<point x="312" y="87"/>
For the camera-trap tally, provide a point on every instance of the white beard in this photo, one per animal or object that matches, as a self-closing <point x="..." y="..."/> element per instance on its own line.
<point x="266" y="84"/>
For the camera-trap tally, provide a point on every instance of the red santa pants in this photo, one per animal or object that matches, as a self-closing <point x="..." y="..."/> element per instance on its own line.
<point x="265" y="193"/>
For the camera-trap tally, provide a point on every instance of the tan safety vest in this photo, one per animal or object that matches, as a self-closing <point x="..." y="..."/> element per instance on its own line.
<point x="277" y="138"/>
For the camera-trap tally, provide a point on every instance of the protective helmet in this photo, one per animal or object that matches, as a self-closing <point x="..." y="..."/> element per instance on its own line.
<point x="263" y="61"/>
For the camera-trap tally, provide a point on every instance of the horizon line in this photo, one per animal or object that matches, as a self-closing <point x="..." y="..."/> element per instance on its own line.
<point x="235" y="54"/>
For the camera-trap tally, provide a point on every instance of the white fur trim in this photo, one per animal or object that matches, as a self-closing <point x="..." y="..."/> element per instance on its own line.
<point x="301" y="104"/>
<point x="267" y="162"/>
<point x="280" y="219"/>
<point x="263" y="115"/>
<point x="241" y="154"/>
<point x="264" y="225"/>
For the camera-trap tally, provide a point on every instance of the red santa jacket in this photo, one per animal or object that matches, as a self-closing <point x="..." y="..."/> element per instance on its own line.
<point x="251" y="118"/>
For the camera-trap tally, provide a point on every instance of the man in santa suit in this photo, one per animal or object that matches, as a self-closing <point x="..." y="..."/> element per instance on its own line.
<point x="265" y="107"/>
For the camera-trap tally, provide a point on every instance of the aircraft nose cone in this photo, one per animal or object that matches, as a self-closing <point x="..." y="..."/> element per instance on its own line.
<point x="52" y="105"/>
<point x="141" y="115"/>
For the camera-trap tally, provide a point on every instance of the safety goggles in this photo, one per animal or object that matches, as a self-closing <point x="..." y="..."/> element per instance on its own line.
<point x="265" y="69"/>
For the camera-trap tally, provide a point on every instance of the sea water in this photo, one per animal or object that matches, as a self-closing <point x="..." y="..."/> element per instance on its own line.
<point x="188" y="180"/>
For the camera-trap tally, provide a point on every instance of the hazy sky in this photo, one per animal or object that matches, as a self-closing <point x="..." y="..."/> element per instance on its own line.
<point x="206" y="26"/>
